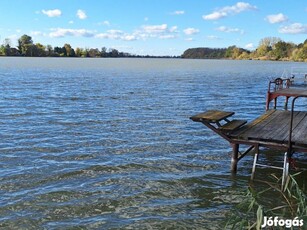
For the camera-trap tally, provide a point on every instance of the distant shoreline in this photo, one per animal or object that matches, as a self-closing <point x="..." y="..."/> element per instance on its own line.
<point x="270" y="48"/>
<point x="157" y="57"/>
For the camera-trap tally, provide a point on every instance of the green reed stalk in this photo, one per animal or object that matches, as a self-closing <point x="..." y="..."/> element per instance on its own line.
<point x="249" y="213"/>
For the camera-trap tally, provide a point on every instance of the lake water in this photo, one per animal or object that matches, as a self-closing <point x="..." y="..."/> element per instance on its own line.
<point x="108" y="144"/>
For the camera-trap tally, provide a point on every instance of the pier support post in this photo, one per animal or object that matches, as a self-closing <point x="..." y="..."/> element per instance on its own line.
<point x="234" y="158"/>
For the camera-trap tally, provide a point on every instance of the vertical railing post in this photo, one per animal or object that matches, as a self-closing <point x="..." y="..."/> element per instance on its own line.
<point x="289" y="152"/>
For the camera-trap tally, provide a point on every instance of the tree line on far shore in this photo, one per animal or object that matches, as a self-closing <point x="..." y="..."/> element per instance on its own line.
<point x="27" y="48"/>
<point x="270" y="48"/>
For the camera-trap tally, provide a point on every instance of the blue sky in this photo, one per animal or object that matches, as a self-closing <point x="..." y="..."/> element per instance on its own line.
<point x="155" y="27"/>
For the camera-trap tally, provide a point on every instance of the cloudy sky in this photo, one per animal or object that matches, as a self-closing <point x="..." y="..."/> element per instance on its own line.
<point x="155" y="27"/>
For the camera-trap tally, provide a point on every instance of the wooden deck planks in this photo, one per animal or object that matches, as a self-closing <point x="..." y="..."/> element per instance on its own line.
<point x="266" y="128"/>
<point x="212" y="116"/>
<point x="299" y="135"/>
<point x="283" y="135"/>
<point x="242" y="132"/>
<point x="278" y="127"/>
<point x="274" y="127"/>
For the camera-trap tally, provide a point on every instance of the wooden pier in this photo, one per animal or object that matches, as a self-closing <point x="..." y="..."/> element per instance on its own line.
<point x="277" y="129"/>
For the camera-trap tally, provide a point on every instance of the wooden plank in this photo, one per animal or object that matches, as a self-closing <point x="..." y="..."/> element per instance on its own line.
<point x="280" y="125"/>
<point x="299" y="135"/>
<point x="266" y="127"/>
<point x="211" y="116"/>
<point x="301" y="140"/>
<point x="273" y="127"/>
<point x="241" y="133"/>
<point x="232" y="125"/>
<point x="283" y="135"/>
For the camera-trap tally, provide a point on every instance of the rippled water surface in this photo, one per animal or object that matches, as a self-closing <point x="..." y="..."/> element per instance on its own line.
<point x="108" y="144"/>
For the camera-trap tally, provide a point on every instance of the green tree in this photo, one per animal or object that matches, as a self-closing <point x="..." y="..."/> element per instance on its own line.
<point x="103" y="52"/>
<point x="94" y="53"/>
<point x="269" y="41"/>
<point x="228" y="53"/>
<point x="25" y="44"/>
<point x="68" y="51"/>
<point x="283" y="50"/>
<point x="262" y="50"/>
<point x="49" y="51"/>
<point x="5" y="49"/>
<point x="39" y="50"/>
<point x="85" y="52"/>
<point x="265" y="47"/>
<point x="236" y="52"/>
<point x="244" y="55"/>
<point x="72" y="53"/>
<point x="57" y="51"/>
<point x="78" y="52"/>
<point x="300" y="54"/>
<point x="113" y="52"/>
<point x="2" y="50"/>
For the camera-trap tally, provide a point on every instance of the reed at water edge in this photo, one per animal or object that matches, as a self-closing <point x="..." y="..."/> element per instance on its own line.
<point x="250" y="212"/>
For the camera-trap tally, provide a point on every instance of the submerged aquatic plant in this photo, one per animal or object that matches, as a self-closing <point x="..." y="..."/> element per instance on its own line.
<point x="252" y="210"/>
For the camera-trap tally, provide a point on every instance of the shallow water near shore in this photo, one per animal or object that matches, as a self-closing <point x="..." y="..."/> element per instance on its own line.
<point x="108" y="144"/>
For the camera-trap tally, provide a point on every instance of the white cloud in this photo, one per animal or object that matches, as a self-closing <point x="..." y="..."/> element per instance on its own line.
<point x="129" y="37"/>
<point x="155" y="28"/>
<point x="36" y="33"/>
<point x="117" y="35"/>
<point x="106" y="23"/>
<point x="215" y="16"/>
<point x="113" y="34"/>
<point x="212" y="37"/>
<point x="295" y="28"/>
<point x="167" y="36"/>
<point x="249" y="46"/>
<point x="173" y="29"/>
<point x="61" y="32"/>
<point x="178" y="12"/>
<point x="13" y="37"/>
<point x="157" y="31"/>
<point x="229" y="10"/>
<point x="145" y="32"/>
<point x="52" y="13"/>
<point x="190" y="31"/>
<point x="276" y="18"/>
<point x="229" y="30"/>
<point x="71" y="22"/>
<point x="81" y="14"/>
<point x="189" y="39"/>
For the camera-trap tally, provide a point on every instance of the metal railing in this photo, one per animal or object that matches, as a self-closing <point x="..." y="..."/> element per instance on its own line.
<point x="290" y="150"/>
